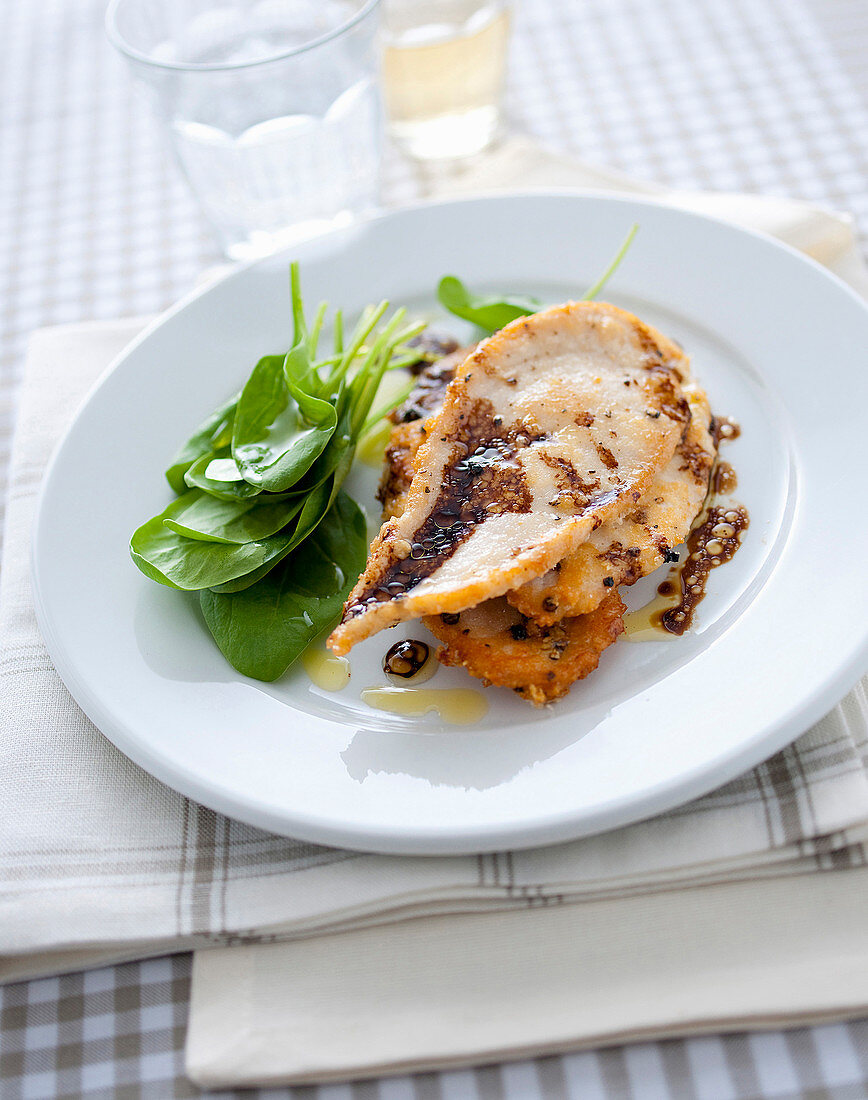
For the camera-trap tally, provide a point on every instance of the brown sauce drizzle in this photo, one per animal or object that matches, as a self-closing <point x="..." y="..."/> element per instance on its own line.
<point x="483" y="478"/>
<point x="431" y="345"/>
<point x="710" y="544"/>
<point x="713" y="540"/>
<point x="722" y="428"/>
<point x="573" y="490"/>
<point x="723" y="479"/>
<point x="434" y="371"/>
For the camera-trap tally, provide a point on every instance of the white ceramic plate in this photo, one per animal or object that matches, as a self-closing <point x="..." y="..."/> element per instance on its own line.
<point x="778" y="343"/>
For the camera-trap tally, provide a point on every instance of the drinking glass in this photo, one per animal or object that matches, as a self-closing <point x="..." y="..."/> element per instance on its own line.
<point x="272" y="108"/>
<point x="444" y="63"/>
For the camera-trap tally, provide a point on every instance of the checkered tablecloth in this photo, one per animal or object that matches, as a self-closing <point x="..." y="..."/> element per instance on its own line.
<point x="752" y="95"/>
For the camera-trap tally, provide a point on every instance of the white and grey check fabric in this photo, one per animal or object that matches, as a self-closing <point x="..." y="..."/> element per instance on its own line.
<point x="117" y="1034"/>
<point x="750" y="95"/>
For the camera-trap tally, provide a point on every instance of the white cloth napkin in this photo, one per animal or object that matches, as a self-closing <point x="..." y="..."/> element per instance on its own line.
<point x="98" y="861"/>
<point x="445" y="992"/>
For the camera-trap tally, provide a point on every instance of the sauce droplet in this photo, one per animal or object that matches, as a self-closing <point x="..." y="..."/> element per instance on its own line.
<point x="457" y="706"/>
<point x="327" y="671"/>
<point x="723" y="479"/>
<point x="722" y="427"/>
<point x="409" y="660"/>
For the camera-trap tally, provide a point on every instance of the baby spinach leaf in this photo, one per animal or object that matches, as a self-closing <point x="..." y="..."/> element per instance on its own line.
<point x="179" y="562"/>
<point x="240" y="583"/>
<point x="279" y="429"/>
<point x="197" y="478"/>
<point x="488" y="312"/>
<point x="262" y="630"/>
<point x="316" y="504"/>
<point x="200" y="516"/>
<point x="257" y="479"/>
<point x="214" y="433"/>
<point x="298" y="365"/>
<point x="331" y="457"/>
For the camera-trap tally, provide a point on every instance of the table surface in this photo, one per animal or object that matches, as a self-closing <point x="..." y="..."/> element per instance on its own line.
<point x="750" y="95"/>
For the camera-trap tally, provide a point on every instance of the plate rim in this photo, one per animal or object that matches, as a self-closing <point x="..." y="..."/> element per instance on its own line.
<point x="468" y="838"/>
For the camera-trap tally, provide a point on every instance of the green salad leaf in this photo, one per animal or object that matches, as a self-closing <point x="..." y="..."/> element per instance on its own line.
<point x="214" y="433"/>
<point x="223" y="488"/>
<point x="180" y="562"/>
<point x="279" y="429"/>
<point x="488" y="312"/>
<point x="315" y="505"/>
<point x="263" y="629"/>
<point x="209" y="519"/>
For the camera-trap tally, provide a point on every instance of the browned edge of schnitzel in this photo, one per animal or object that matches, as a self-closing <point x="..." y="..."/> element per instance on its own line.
<point x="539" y="663"/>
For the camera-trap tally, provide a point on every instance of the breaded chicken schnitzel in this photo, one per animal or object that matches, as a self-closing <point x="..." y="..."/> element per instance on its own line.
<point x="553" y="426"/>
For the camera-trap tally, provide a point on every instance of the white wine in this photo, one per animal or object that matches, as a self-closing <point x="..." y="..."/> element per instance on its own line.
<point x="443" y="80"/>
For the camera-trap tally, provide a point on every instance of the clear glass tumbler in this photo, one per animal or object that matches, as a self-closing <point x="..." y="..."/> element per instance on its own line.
<point x="444" y="63"/>
<point x="272" y="107"/>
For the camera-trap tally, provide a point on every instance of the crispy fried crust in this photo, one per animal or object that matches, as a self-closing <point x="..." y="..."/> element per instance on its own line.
<point x="539" y="663"/>
<point x="431" y="382"/>
<point x="404" y="442"/>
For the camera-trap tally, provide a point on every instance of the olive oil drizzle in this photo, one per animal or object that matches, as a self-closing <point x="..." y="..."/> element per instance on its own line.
<point x="457" y="706"/>
<point x="324" y="669"/>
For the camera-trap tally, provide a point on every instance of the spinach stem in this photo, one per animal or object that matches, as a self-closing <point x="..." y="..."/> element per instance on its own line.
<point x="592" y="293"/>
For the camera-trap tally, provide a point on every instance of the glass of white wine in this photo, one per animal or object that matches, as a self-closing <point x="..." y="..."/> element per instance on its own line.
<point x="444" y="63"/>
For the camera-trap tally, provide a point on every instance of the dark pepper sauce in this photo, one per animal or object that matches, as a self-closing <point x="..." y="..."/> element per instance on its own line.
<point x="722" y="428"/>
<point x="723" y="480"/>
<point x="713" y="540"/>
<point x="710" y="544"/>
<point x="483" y="477"/>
